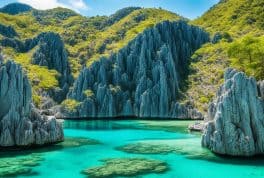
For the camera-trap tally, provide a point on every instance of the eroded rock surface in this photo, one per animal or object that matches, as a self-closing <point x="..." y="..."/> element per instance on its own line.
<point x="143" y="79"/>
<point x="20" y="123"/>
<point x="236" y="125"/>
<point x="51" y="53"/>
<point x="7" y="31"/>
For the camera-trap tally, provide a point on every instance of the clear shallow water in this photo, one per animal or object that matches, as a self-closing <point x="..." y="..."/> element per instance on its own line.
<point x="183" y="153"/>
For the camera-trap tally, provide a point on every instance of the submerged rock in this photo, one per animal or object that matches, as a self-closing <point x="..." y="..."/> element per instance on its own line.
<point x="19" y="165"/>
<point x="197" y="127"/>
<point x="20" y="123"/>
<point x="143" y="79"/>
<point x="236" y="117"/>
<point x="127" y="167"/>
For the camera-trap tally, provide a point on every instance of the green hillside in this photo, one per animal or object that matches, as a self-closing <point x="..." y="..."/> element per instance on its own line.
<point x="86" y="38"/>
<point x="236" y="27"/>
<point x="237" y="17"/>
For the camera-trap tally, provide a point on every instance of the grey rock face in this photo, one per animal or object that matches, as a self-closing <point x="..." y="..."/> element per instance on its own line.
<point x="236" y="117"/>
<point x="20" y="123"/>
<point x="7" y="31"/>
<point x="181" y="111"/>
<point x="261" y="89"/>
<point x="143" y="79"/>
<point x="51" y="53"/>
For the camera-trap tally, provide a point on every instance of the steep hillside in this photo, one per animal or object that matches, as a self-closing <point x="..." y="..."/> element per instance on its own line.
<point x="85" y="40"/>
<point x="236" y="27"/>
<point x="237" y="17"/>
<point x="143" y="79"/>
<point x="21" y="124"/>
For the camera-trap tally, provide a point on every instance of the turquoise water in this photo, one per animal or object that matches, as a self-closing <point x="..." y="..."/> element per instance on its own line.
<point x="184" y="156"/>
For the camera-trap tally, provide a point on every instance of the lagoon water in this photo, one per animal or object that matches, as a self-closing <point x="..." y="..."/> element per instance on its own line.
<point x="89" y="142"/>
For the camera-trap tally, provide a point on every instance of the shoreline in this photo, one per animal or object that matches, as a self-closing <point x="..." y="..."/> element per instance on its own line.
<point x="123" y="118"/>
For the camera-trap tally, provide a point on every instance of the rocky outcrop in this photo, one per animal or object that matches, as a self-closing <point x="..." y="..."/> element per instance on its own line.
<point x="7" y="31"/>
<point x="20" y="123"/>
<point x="51" y="53"/>
<point x="186" y="111"/>
<point x="261" y="89"/>
<point x="236" y="117"/>
<point x="143" y="79"/>
<point x="21" y="46"/>
<point x="218" y="36"/>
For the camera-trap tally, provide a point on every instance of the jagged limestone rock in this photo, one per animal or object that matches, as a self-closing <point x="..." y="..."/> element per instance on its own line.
<point x="51" y="53"/>
<point x="142" y="79"/>
<point x="236" y="117"/>
<point x="261" y="88"/>
<point x="184" y="111"/>
<point x="7" y="31"/>
<point x="20" y="123"/>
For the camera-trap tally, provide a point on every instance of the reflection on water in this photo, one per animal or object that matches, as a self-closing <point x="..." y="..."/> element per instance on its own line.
<point x="91" y="125"/>
<point x="89" y="144"/>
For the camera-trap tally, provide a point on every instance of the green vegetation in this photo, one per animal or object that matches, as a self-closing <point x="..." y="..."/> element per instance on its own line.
<point x="89" y="93"/>
<point x="238" y="17"/>
<point x="41" y="77"/>
<point x="240" y="24"/>
<point x="86" y="38"/>
<point x="115" y="89"/>
<point x="120" y="167"/>
<point x="119" y="34"/>
<point x="206" y="73"/>
<point x="70" y="104"/>
<point x="247" y="54"/>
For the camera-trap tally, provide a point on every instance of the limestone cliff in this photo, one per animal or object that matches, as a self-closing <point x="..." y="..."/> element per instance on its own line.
<point x="143" y="79"/>
<point x="236" y="125"/>
<point x="7" y="31"/>
<point x="20" y="123"/>
<point x="50" y="52"/>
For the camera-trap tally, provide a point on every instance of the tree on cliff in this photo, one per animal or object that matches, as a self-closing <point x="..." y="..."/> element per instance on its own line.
<point x="248" y="55"/>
